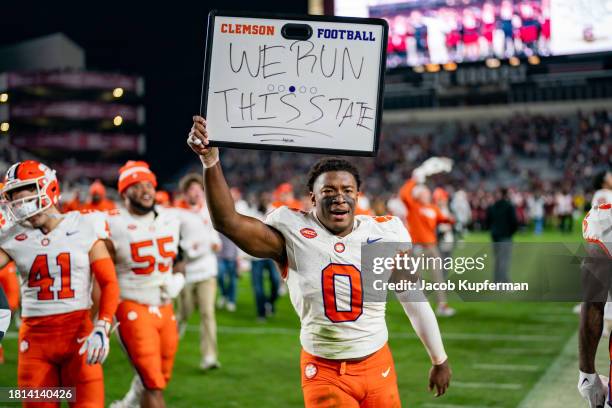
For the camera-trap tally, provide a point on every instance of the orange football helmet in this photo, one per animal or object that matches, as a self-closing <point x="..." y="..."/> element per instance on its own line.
<point x="36" y="176"/>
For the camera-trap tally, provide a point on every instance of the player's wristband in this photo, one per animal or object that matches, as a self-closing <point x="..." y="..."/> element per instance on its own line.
<point x="210" y="158"/>
<point x="104" y="325"/>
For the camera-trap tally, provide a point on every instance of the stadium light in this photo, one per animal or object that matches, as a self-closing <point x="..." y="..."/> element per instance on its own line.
<point x="514" y="61"/>
<point x="450" y="66"/>
<point x="118" y="92"/>
<point x="493" y="63"/>
<point x="432" y="68"/>
<point x="4" y="127"/>
<point x="3" y="97"/>
<point x="534" y="60"/>
<point x="118" y="120"/>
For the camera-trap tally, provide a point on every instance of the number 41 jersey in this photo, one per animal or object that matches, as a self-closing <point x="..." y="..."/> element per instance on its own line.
<point x="54" y="267"/>
<point x="145" y="248"/>
<point x="325" y="283"/>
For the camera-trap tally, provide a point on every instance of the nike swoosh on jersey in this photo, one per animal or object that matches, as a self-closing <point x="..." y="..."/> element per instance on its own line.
<point x="69" y="233"/>
<point x="371" y="241"/>
<point x="386" y="373"/>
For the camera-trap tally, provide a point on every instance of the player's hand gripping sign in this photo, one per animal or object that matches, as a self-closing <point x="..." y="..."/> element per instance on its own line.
<point x="301" y="84"/>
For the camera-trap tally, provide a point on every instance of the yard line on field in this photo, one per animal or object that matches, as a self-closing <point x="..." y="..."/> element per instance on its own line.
<point x="495" y="336"/>
<point x="569" y="318"/>
<point x="557" y="385"/>
<point x="402" y="335"/>
<point x="11" y="335"/>
<point x="519" y="351"/>
<point x="487" y="385"/>
<point x="506" y="367"/>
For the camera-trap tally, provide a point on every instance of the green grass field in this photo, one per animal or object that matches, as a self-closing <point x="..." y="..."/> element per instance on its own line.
<point x="498" y="352"/>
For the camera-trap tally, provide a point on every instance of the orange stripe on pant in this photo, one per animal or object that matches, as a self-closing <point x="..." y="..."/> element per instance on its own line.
<point x="368" y="383"/>
<point x="49" y="357"/>
<point x="150" y="338"/>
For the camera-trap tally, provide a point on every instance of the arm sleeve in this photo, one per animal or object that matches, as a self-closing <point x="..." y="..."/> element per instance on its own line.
<point x="425" y="325"/>
<point x="5" y="314"/>
<point x="441" y="218"/>
<point x="405" y="193"/>
<point x="104" y="271"/>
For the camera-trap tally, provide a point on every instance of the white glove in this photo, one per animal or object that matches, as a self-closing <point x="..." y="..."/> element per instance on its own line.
<point x="592" y="389"/>
<point x="173" y="285"/>
<point x="96" y="344"/>
<point x="433" y="165"/>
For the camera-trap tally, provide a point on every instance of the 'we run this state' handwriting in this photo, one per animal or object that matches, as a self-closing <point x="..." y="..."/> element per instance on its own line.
<point x="303" y="86"/>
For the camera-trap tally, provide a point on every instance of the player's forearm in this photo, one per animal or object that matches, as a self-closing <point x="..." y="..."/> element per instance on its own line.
<point x="219" y="200"/>
<point x="104" y="271"/>
<point x="425" y="325"/>
<point x="591" y="326"/>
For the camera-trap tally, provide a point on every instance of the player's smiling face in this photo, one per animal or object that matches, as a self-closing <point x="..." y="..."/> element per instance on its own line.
<point x="140" y="197"/>
<point x="334" y="196"/>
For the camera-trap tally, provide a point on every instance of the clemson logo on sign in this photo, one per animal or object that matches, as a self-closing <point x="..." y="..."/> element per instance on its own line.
<point x="308" y="233"/>
<point x="310" y="370"/>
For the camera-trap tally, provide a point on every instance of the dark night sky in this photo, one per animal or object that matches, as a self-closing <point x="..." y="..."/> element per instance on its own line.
<point x="161" y="41"/>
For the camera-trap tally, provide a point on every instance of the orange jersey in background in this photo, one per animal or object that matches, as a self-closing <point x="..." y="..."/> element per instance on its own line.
<point x="422" y="218"/>
<point x="104" y="205"/>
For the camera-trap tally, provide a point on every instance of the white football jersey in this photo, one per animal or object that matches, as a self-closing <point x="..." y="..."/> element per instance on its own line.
<point x="54" y="268"/>
<point x="324" y="282"/>
<point x="597" y="227"/>
<point x="197" y="239"/>
<point x="145" y="248"/>
<point x="603" y="196"/>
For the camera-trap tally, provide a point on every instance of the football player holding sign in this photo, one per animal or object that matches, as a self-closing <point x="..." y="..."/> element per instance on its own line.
<point x="345" y="357"/>
<point x="57" y="255"/>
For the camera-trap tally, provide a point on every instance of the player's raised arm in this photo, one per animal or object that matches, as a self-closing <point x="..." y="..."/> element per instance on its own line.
<point x="250" y="234"/>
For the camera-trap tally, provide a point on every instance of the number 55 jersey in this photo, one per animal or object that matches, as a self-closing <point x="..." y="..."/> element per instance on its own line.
<point x="145" y="248"/>
<point x="324" y="277"/>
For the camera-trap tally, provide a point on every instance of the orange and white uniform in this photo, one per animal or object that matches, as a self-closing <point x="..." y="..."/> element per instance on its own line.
<point x="56" y="277"/>
<point x="337" y="326"/>
<point x="145" y="249"/>
<point x="422" y="219"/>
<point x="597" y="227"/>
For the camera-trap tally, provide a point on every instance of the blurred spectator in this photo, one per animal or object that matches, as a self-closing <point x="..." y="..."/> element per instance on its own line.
<point x="445" y="233"/>
<point x="423" y="218"/>
<point x="501" y="218"/>
<point x="283" y="195"/>
<point x="97" y="200"/>
<point x="564" y="208"/>
<point x="199" y="242"/>
<point x="535" y="203"/>
<point x="460" y="207"/>
<point x="363" y="205"/>
<point x="265" y="304"/>
<point x="162" y="198"/>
